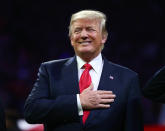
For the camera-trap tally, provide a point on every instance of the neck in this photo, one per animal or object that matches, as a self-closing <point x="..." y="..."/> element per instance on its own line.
<point x="87" y="57"/>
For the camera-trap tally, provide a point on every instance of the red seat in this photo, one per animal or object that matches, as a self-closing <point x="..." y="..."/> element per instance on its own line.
<point x="154" y="128"/>
<point x="146" y="128"/>
<point x="37" y="128"/>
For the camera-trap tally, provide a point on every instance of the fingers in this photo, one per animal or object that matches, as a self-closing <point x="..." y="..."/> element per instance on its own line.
<point x="101" y="92"/>
<point x="106" y="101"/>
<point x="103" y="106"/>
<point x="105" y="96"/>
<point x="96" y="99"/>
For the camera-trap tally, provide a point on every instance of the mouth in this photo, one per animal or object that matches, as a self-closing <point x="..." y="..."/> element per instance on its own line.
<point x="85" y="42"/>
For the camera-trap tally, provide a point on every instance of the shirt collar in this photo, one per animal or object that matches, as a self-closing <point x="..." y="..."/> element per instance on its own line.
<point x="96" y="63"/>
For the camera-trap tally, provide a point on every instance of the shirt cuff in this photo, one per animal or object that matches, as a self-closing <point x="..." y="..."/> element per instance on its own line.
<point x="80" y="110"/>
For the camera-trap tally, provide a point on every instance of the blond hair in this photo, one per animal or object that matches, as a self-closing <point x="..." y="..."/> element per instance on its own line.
<point x="90" y="14"/>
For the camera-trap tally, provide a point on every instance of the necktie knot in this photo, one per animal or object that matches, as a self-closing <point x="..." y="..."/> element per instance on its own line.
<point x="87" y="66"/>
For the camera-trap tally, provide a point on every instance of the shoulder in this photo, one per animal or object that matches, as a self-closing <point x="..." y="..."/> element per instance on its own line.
<point x="55" y="65"/>
<point x="58" y="62"/>
<point x="122" y="70"/>
<point x="160" y="72"/>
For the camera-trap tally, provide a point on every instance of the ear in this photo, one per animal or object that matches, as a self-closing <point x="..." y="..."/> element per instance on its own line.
<point x="71" y="40"/>
<point x="104" y="38"/>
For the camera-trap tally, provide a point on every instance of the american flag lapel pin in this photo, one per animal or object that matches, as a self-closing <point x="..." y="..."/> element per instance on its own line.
<point x="111" y="77"/>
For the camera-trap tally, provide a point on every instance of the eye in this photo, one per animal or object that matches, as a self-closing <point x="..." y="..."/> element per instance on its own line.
<point x="77" y="30"/>
<point x="90" y="29"/>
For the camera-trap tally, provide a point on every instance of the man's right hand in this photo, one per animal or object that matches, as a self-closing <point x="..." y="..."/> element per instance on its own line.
<point x="96" y="99"/>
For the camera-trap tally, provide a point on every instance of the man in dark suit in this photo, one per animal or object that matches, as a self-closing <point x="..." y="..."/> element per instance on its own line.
<point x="86" y="92"/>
<point x="155" y="87"/>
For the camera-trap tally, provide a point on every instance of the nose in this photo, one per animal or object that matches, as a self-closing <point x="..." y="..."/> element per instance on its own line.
<point x="84" y="34"/>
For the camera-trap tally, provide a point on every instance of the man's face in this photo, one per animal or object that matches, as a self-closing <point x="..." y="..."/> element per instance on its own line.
<point x="86" y="37"/>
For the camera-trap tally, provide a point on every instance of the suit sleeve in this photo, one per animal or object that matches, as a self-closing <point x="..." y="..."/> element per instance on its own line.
<point x="155" y="87"/>
<point x="40" y="108"/>
<point x="134" y="119"/>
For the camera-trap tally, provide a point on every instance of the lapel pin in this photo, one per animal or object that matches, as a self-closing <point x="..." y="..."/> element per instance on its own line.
<point x="111" y="77"/>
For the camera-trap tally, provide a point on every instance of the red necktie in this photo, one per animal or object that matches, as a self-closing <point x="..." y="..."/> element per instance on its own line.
<point x="85" y="82"/>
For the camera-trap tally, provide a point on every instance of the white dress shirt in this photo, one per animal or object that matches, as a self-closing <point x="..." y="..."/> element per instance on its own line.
<point x="95" y="73"/>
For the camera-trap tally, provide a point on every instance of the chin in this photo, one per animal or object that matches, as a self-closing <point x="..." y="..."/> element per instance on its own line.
<point x="86" y="49"/>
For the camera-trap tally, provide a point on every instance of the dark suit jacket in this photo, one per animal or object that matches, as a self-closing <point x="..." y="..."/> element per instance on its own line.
<point x="155" y="87"/>
<point x="53" y="101"/>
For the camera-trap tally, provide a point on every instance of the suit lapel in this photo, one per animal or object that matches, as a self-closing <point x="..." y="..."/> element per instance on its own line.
<point x="70" y="76"/>
<point x="71" y="82"/>
<point x="107" y="76"/>
<point x="106" y="83"/>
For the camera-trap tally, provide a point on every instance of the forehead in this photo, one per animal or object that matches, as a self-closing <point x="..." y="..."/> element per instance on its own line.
<point x="86" y="23"/>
